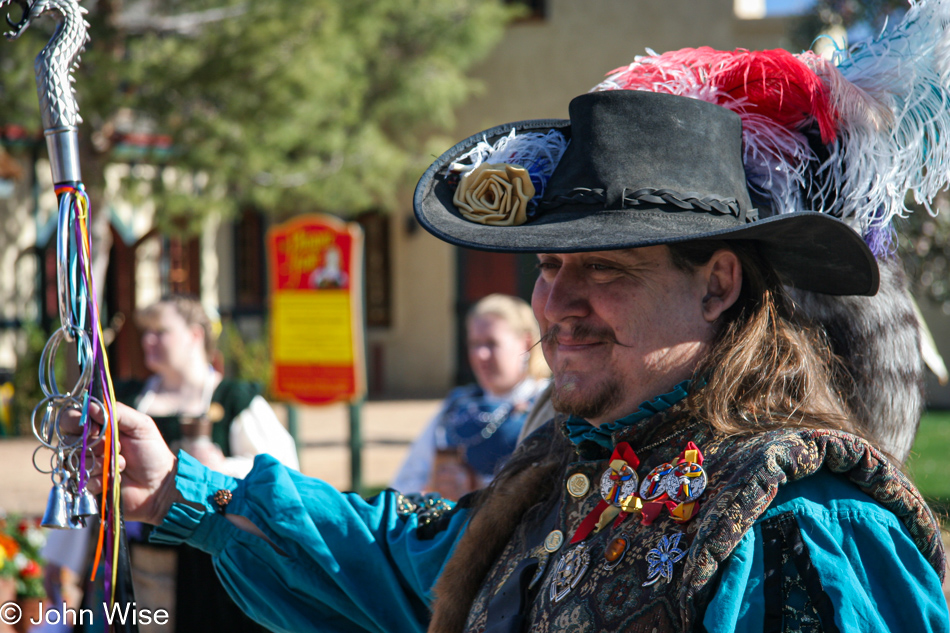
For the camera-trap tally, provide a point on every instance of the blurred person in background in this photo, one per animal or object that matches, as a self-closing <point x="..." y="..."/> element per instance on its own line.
<point x="477" y="427"/>
<point x="223" y="423"/>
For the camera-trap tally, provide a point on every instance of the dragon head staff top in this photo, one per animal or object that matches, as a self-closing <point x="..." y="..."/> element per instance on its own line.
<point x="26" y="17"/>
<point x="53" y="66"/>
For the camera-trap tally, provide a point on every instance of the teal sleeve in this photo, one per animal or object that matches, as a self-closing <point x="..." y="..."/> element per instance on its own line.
<point x="335" y="562"/>
<point x="876" y="578"/>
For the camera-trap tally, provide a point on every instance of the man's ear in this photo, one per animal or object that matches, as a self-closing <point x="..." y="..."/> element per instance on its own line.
<point x="723" y="283"/>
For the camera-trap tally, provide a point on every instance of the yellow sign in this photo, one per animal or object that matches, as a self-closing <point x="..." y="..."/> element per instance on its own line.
<point x="316" y="309"/>
<point x="312" y="327"/>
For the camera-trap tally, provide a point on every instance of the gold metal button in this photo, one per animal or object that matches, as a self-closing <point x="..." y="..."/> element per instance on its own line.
<point x="578" y="484"/>
<point x="554" y="541"/>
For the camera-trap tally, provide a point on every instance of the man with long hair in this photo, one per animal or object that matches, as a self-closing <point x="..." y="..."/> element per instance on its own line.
<point x="706" y="474"/>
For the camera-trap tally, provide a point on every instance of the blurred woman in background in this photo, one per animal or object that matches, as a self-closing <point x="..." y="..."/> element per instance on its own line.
<point x="221" y="422"/>
<point x="477" y="427"/>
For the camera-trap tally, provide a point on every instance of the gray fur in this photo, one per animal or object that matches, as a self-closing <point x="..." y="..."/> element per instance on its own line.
<point x="878" y="339"/>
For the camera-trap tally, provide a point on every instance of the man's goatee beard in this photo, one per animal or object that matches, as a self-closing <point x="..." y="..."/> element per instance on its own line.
<point x="566" y="399"/>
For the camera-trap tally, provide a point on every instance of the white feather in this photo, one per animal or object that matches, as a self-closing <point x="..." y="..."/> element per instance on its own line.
<point x="906" y="143"/>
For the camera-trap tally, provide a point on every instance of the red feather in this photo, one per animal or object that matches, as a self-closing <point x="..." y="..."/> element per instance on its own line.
<point x="778" y="84"/>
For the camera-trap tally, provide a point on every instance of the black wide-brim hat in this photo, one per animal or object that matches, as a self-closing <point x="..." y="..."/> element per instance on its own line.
<point x="644" y="169"/>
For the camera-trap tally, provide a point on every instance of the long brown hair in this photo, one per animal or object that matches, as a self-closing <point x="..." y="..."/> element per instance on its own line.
<point x="768" y="367"/>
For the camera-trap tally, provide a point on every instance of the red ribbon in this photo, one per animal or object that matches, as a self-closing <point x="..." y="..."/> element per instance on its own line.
<point x="691" y="447"/>
<point x="652" y="509"/>
<point x="589" y="522"/>
<point x="624" y="452"/>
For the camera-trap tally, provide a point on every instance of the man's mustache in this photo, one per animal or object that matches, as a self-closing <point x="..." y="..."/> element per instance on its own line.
<point x="581" y="332"/>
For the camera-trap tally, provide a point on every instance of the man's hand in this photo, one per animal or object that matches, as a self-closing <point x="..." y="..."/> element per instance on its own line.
<point x="148" y="468"/>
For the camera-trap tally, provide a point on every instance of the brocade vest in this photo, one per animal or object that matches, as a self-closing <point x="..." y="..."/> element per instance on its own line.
<point x="664" y="579"/>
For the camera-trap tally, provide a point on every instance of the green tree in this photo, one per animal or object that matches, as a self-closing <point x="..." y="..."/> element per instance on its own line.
<point x="296" y="106"/>
<point x="924" y="247"/>
<point x="289" y="106"/>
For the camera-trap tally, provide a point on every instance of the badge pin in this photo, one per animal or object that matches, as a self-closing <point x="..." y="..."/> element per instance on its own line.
<point x="654" y="484"/>
<point x="578" y="484"/>
<point x="553" y="541"/>
<point x="617" y="485"/>
<point x="615" y="552"/>
<point x="569" y="571"/>
<point x="686" y="483"/>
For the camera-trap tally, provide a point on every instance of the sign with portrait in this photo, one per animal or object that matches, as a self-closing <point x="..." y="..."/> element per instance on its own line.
<point x="316" y="312"/>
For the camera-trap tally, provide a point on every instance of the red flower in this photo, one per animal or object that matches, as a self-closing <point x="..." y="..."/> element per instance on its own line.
<point x="31" y="570"/>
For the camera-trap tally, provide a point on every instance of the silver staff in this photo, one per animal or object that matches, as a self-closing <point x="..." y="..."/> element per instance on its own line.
<point x="69" y="502"/>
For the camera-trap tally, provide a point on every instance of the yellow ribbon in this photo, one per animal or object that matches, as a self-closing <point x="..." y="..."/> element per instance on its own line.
<point x="608" y="515"/>
<point x="683" y="512"/>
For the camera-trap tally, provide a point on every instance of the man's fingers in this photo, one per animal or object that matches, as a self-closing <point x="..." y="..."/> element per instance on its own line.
<point x="130" y="422"/>
<point x="94" y="483"/>
<point x="71" y="420"/>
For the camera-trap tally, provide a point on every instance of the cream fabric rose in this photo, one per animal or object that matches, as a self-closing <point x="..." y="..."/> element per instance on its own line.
<point x="495" y="194"/>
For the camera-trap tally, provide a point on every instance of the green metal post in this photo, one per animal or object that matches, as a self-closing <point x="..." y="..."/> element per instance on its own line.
<point x="356" y="447"/>
<point x="356" y="405"/>
<point x="292" y="428"/>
